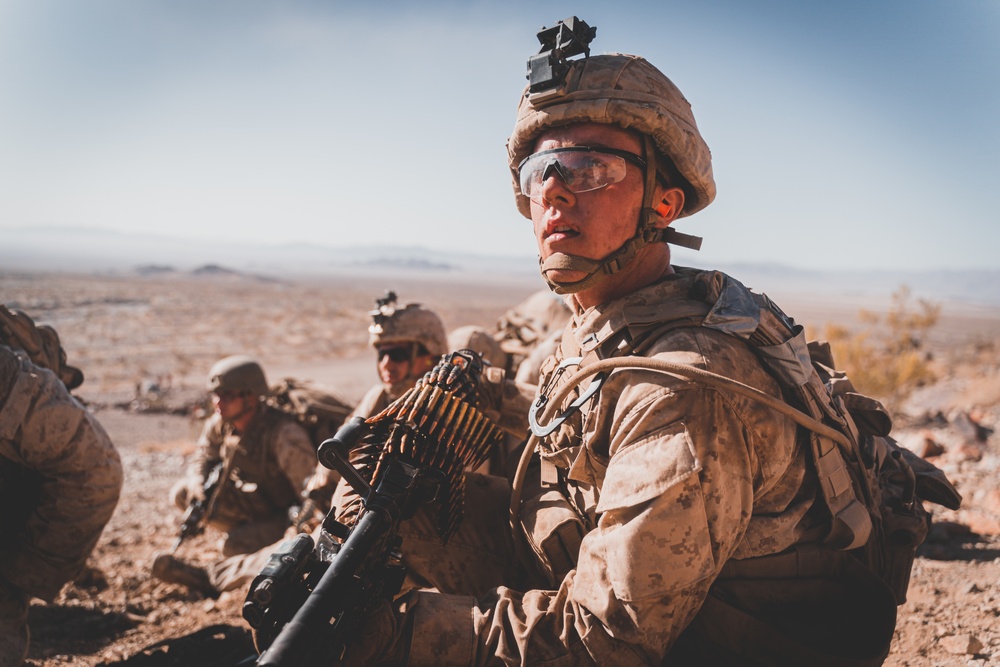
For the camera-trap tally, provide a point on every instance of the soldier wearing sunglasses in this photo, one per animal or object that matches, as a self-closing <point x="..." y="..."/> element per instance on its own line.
<point x="408" y="341"/>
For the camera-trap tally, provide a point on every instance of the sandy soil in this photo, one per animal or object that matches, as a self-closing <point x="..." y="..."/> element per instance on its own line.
<point x="145" y="343"/>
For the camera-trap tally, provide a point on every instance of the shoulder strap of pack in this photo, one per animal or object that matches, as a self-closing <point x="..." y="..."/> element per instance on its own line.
<point x="844" y="482"/>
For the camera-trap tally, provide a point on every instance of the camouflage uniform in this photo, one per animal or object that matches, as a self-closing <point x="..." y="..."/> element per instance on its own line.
<point x="239" y="570"/>
<point x="60" y="478"/>
<point x="645" y="503"/>
<point x="267" y="467"/>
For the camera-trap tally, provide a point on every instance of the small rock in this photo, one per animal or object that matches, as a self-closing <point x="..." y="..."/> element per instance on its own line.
<point x="971" y="587"/>
<point x="91" y="577"/>
<point x="964" y="644"/>
<point x="929" y="447"/>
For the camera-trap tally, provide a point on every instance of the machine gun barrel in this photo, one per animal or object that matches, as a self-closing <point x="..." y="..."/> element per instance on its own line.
<point x="191" y="524"/>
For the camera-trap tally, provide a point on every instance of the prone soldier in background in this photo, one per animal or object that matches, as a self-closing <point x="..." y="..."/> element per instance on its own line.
<point x="253" y="461"/>
<point x="60" y="475"/>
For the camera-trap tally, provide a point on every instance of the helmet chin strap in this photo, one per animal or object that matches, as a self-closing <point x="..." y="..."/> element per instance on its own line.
<point x="646" y="232"/>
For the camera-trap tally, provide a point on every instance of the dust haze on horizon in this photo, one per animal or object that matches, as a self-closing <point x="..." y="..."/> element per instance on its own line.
<point x="844" y="136"/>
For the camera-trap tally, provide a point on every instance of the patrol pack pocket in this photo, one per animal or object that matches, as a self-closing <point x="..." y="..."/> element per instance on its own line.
<point x="645" y="539"/>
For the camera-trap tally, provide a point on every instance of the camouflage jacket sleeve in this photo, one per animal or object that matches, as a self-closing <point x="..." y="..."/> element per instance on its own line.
<point x="209" y="452"/>
<point x="677" y="472"/>
<point x="294" y="452"/>
<point x="44" y="429"/>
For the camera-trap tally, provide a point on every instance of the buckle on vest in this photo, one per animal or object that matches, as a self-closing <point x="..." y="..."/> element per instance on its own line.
<point x="542" y="400"/>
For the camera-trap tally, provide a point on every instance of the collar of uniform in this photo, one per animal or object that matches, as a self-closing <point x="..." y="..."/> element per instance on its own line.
<point x="617" y="319"/>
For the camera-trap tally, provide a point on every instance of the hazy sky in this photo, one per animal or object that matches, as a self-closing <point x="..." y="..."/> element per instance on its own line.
<point x="856" y="133"/>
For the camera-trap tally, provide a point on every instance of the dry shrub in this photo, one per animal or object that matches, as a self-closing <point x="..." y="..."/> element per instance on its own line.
<point x="886" y="358"/>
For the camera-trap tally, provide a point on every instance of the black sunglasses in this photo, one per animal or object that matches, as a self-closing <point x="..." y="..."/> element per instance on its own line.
<point x="396" y="354"/>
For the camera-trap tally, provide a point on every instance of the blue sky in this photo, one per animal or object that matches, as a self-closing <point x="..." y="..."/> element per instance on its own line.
<point x="857" y="134"/>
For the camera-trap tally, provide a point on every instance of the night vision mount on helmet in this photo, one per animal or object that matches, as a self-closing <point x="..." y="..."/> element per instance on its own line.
<point x="410" y="323"/>
<point x="548" y="68"/>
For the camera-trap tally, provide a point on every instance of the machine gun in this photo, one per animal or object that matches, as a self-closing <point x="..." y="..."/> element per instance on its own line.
<point x="312" y="599"/>
<point x="193" y="522"/>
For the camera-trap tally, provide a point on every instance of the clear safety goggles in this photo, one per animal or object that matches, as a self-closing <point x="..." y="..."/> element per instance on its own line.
<point x="581" y="168"/>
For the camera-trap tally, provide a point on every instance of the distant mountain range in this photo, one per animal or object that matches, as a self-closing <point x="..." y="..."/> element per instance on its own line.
<point x="78" y="250"/>
<point x="71" y="249"/>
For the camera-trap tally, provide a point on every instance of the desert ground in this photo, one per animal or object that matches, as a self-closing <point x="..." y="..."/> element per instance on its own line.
<point x="145" y="341"/>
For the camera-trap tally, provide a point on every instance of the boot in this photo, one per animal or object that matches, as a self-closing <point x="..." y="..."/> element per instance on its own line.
<point x="175" y="571"/>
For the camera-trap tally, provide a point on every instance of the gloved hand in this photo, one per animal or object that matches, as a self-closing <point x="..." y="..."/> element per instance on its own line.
<point x="458" y="372"/>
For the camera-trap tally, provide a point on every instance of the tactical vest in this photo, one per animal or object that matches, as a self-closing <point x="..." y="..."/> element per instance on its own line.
<point x="849" y="583"/>
<point x="254" y="486"/>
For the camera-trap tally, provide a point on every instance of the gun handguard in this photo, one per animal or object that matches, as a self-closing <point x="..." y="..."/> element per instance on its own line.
<point x="193" y="522"/>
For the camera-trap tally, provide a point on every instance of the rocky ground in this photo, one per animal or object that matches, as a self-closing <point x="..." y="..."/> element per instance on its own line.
<point x="145" y="343"/>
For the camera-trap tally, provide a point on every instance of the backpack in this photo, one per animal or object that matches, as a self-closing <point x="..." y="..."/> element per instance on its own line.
<point x="873" y="488"/>
<point x="897" y="480"/>
<point x="316" y="408"/>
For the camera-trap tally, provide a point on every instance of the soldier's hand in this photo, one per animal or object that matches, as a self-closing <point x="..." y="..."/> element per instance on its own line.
<point x="458" y="372"/>
<point x="187" y="491"/>
<point x="196" y="490"/>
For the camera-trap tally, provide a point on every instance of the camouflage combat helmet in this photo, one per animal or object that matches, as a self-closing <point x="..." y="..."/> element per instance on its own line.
<point x="630" y="93"/>
<point x="238" y="374"/>
<point x="478" y="340"/>
<point x="412" y="323"/>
